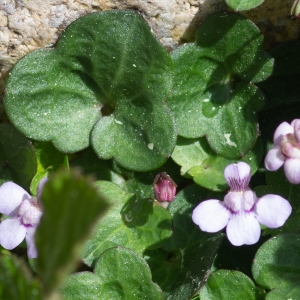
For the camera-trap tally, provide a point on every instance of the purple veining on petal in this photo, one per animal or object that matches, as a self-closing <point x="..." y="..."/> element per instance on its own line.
<point x="233" y="201"/>
<point x="238" y="176"/>
<point x="241" y="210"/>
<point x="289" y="146"/>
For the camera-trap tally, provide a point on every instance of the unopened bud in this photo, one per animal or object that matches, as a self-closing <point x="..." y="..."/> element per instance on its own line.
<point x="164" y="187"/>
<point x="295" y="11"/>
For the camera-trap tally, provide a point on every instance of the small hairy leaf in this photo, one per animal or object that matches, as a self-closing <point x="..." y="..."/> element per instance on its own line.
<point x="16" y="282"/>
<point x="120" y="273"/>
<point x="135" y="224"/>
<point x="71" y="207"/>
<point x="277" y="266"/>
<point x="233" y="285"/>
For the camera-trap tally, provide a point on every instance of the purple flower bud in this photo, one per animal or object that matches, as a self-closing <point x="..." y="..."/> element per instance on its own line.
<point x="164" y="187"/>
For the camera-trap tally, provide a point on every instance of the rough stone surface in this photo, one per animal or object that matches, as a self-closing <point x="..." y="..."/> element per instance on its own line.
<point x="275" y="21"/>
<point x="26" y="25"/>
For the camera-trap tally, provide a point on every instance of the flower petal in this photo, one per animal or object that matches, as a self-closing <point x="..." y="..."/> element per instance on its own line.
<point x="12" y="233"/>
<point x="296" y="125"/>
<point x="40" y="187"/>
<point x="11" y="196"/>
<point x="243" y="229"/>
<point x="292" y="170"/>
<point x="272" y="210"/>
<point x="238" y="176"/>
<point x="274" y="159"/>
<point x="211" y="215"/>
<point x="30" y="241"/>
<point x="283" y="129"/>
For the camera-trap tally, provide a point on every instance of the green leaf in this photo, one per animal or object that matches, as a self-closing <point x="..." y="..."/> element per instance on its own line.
<point x="165" y="268"/>
<point x="16" y="282"/>
<point x="282" y="87"/>
<point x="239" y="5"/>
<point x="213" y="93"/>
<point x="17" y="157"/>
<point x="89" y="163"/>
<point x="240" y="258"/>
<point x="189" y="247"/>
<point x="119" y="273"/>
<point x="48" y="159"/>
<point x="48" y="102"/>
<point x="135" y="224"/>
<point x="237" y="45"/>
<point x="206" y="168"/>
<point x="71" y="206"/>
<point x="104" y="84"/>
<point x="277" y="267"/>
<point x="233" y="285"/>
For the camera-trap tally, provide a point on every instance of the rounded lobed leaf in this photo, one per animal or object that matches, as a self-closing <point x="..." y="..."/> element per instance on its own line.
<point x="277" y="266"/>
<point x="122" y="267"/>
<point x="104" y="84"/>
<point x="48" y="102"/>
<point x="233" y="285"/>
<point x="213" y="92"/>
<point x="120" y="273"/>
<point x="230" y="126"/>
<point x="135" y="224"/>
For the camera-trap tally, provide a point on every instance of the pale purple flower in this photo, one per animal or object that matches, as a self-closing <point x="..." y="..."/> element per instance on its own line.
<point x="24" y="213"/>
<point x="241" y="211"/>
<point x="286" y="151"/>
